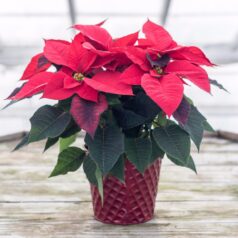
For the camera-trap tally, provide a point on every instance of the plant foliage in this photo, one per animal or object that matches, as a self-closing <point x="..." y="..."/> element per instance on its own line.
<point x="127" y="94"/>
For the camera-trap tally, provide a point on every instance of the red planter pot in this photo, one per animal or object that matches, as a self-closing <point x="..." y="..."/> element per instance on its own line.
<point x="129" y="203"/>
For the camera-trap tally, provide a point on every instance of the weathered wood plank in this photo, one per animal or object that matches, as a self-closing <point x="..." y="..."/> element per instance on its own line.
<point x="203" y="219"/>
<point x="188" y="205"/>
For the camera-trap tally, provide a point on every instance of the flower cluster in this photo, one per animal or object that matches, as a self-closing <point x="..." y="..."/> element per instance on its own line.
<point x="124" y="92"/>
<point x="94" y="62"/>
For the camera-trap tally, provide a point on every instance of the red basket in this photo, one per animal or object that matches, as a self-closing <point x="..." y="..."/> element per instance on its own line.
<point x="129" y="203"/>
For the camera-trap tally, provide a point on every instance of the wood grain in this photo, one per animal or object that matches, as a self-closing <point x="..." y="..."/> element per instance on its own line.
<point x="188" y="205"/>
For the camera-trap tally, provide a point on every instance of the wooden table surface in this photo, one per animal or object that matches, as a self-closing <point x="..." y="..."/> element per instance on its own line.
<point x="188" y="205"/>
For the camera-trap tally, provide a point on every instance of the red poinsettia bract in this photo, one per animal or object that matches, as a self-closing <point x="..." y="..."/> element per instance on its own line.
<point x="79" y="71"/>
<point x="94" y="64"/>
<point x="160" y="65"/>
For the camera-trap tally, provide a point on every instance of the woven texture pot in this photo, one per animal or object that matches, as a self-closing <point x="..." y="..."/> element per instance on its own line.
<point x="129" y="203"/>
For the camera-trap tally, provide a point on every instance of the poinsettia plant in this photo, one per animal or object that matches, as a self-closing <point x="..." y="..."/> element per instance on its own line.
<point x="127" y="94"/>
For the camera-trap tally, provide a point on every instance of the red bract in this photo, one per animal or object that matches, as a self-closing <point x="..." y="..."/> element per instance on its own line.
<point x="73" y="56"/>
<point x="166" y="91"/>
<point x="190" y="53"/>
<point x="96" y="34"/>
<point x="87" y="114"/>
<point x="63" y="86"/>
<point x="34" y="85"/>
<point x="95" y="62"/>
<point x="100" y="42"/>
<point x="160" y="41"/>
<point x="160" y="65"/>
<point x="77" y="72"/>
<point x="128" y="40"/>
<point x="109" y="82"/>
<point x="157" y="36"/>
<point x="37" y="64"/>
<point x="194" y="73"/>
<point x="70" y="79"/>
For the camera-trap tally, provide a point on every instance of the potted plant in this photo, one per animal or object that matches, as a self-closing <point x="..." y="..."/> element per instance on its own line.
<point x="127" y="94"/>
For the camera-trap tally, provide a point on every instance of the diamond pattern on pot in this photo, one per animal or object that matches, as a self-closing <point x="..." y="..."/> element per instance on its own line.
<point x="129" y="203"/>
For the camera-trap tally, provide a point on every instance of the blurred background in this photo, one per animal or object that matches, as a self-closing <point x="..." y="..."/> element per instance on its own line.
<point x="211" y="25"/>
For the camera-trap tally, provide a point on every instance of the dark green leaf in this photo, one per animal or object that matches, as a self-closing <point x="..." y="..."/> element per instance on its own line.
<point x="48" y="121"/>
<point x="157" y="152"/>
<point x="194" y="126"/>
<point x="182" y="112"/>
<point x="50" y="142"/>
<point x="190" y="101"/>
<point x="112" y="99"/>
<point x="13" y="93"/>
<point x="22" y="143"/>
<point x="215" y="83"/>
<point x="99" y="178"/>
<point x="118" y="169"/>
<point x="142" y="105"/>
<point x="173" y="140"/>
<point x="69" y="160"/>
<point x="128" y="119"/>
<point x="138" y="151"/>
<point x="10" y="103"/>
<point x="89" y="167"/>
<point x="188" y="162"/>
<point x="207" y="127"/>
<point x="70" y="130"/>
<point x="93" y="174"/>
<point x="64" y="104"/>
<point x="106" y="147"/>
<point x="133" y="132"/>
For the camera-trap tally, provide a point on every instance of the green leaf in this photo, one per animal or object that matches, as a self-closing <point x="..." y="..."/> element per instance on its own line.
<point x="127" y="119"/>
<point x="207" y="127"/>
<point x="215" y="83"/>
<point x="142" y="105"/>
<point x="69" y="160"/>
<point x="112" y="99"/>
<point x="10" y="103"/>
<point x="50" y="142"/>
<point x="66" y="142"/>
<point x="138" y="151"/>
<point x="93" y="174"/>
<point x="99" y="178"/>
<point x="173" y="140"/>
<point x="194" y="126"/>
<point x="22" y="143"/>
<point x="157" y="152"/>
<point x="71" y="129"/>
<point x="13" y="93"/>
<point x="162" y="120"/>
<point x="64" y="104"/>
<point x="188" y="162"/>
<point x="190" y="101"/>
<point x="106" y="147"/>
<point x="133" y="132"/>
<point x="118" y="169"/>
<point x="48" y="121"/>
<point x="89" y="167"/>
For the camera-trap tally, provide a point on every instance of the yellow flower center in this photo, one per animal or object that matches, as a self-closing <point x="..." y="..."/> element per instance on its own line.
<point x="78" y="76"/>
<point x="158" y="70"/>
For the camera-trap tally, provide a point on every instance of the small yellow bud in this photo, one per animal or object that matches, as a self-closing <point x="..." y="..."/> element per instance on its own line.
<point x="78" y="76"/>
<point x="159" y="70"/>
